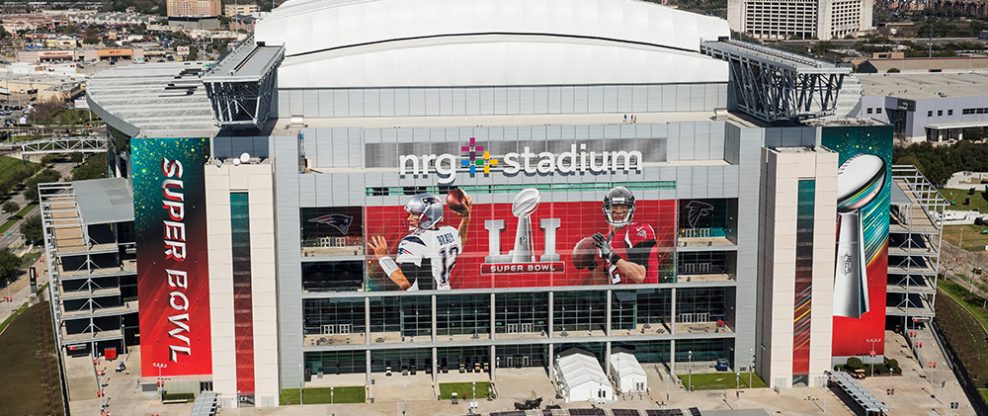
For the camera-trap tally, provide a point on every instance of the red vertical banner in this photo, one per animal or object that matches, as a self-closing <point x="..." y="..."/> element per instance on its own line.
<point x="172" y="272"/>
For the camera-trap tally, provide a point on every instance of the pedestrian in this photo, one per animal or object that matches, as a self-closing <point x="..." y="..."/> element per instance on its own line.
<point x="626" y="118"/>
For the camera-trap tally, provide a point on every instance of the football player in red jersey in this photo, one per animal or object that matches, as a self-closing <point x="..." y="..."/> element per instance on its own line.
<point x="629" y="249"/>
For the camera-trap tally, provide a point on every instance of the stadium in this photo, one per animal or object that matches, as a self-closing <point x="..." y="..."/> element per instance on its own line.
<point x="396" y="194"/>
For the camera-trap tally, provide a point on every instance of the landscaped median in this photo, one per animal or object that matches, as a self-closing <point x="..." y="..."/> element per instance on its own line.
<point x="464" y="390"/>
<point x="720" y="381"/>
<point x="323" y="395"/>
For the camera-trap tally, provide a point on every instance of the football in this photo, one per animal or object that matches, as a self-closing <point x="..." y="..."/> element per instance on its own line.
<point x="585" y="254"/>
<point x="525" y="202"/>
<point x="859" y="180"/>
<point x="455" y="199"/>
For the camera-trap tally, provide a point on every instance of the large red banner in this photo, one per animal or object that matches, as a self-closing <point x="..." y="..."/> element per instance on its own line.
<point x="490" y="254"/>
<point x="172" y="273"/>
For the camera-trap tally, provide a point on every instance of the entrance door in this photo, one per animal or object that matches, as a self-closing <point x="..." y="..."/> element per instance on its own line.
<point x="509" y="361"/>
<point x="512" y="328"/>
<point x="526" y="328"/>
<point x="328" y="329"/>
<point x="525" y="361"/>
<point x="344" y="329"/>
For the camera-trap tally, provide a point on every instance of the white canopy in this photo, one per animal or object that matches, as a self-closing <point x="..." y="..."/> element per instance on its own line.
<point x="628" y="373"/>
<point x="581" y="377"/>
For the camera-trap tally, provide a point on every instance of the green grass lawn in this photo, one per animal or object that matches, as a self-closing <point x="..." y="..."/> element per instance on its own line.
<point x="984" y="395"/>
<point x="963" y="321"/>
<point x="956" y="197"/>
<point x="322" y="395"/>
<point x="28" y="356"/>
<point x="463" y="390"/>
<point x="7" y="224"/>
<point x="720" y="381"/>
<point x="970" y="233"/>
<point x="971" y="302"/>
<point x="12" y="171"/>
<point x="26" y="210"/>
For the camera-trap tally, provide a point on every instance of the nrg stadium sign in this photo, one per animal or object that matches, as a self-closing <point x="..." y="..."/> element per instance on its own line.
<point x="473" y="158"/>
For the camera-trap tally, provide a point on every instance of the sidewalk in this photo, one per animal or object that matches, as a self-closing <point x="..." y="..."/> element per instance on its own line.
<point x="20" y="290"/>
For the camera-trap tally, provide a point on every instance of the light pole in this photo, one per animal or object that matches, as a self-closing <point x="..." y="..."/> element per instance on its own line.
<point x="161" y="383"/>
<point x="690" y="377"/>
<point x="301" y="386"/>
<point x="737" y="387"/>
<point x="752" y="368"/>
<point x="332" y="399"/>
<point x="873" y="341"/>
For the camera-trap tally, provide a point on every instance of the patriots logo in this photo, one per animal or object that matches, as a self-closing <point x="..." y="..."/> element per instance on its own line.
<point x="696" y="210"/>
<point x="340" y="222"/>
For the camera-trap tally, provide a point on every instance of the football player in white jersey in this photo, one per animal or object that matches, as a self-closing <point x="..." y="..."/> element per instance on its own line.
<point x="426" y="256"/>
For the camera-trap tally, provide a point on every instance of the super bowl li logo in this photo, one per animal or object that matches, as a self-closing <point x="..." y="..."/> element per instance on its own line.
<point x="522" y="258"/>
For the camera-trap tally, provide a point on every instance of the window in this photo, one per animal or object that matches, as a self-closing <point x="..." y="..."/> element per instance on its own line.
<point x="929" y="113"/>
<point x="939" y="113"/>
<point x="878" y="110"/>
<point x="950" y="112"/>
<point x="869" y="111"/>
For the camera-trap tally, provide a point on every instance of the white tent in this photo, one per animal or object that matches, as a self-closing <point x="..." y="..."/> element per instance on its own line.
<point x="628" y="373"/>
<point x="581" y="379"/>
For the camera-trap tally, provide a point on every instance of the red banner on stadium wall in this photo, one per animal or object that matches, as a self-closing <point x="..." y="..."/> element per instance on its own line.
<point x="489" y="255"/>
<point x="172" y="274"/>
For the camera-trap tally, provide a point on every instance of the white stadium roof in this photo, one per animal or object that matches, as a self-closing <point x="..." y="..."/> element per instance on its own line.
<point x="421" y="43"/>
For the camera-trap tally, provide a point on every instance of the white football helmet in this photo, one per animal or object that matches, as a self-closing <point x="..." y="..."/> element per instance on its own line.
<point x="428" y="208"/>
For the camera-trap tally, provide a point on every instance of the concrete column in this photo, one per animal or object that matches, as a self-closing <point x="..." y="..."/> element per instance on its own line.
<point x="552" y="362"/>
<point x="672" y="356"/>
<point x="492" y="321"/>
<point x="368" y="363"/>
<point x="607" y="317"/>
<point x="433" y="321"/>
<point x="367" y="328"/>
<point x="493" y="362"/>
<point x="550" y="320"/>
<point x="673" y="312"/>
<point x="435" y="361"/>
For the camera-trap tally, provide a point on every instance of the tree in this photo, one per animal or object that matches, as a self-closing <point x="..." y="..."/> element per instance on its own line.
<point x="854" y="363"/>
<point x="94" y="168"/>
<point x="46" y="176"/>
<point x="9" y="264"/>
<point x="11" y="207"/>
<point x="893" y="70"/>
<point x="32" y="230"/>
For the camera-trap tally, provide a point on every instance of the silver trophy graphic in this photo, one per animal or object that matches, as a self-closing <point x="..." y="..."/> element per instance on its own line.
<point x="859" y="180"/>
<point x="522" y="207"/>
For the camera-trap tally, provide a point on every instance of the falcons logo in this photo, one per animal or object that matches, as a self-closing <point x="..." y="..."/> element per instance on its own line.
<point x="340" y="222"/>
<point x="696" y="210"/>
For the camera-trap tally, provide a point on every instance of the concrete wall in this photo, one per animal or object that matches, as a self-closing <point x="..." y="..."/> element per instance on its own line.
<point x="256" y="180"/>
<point x="781" y="172"/>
